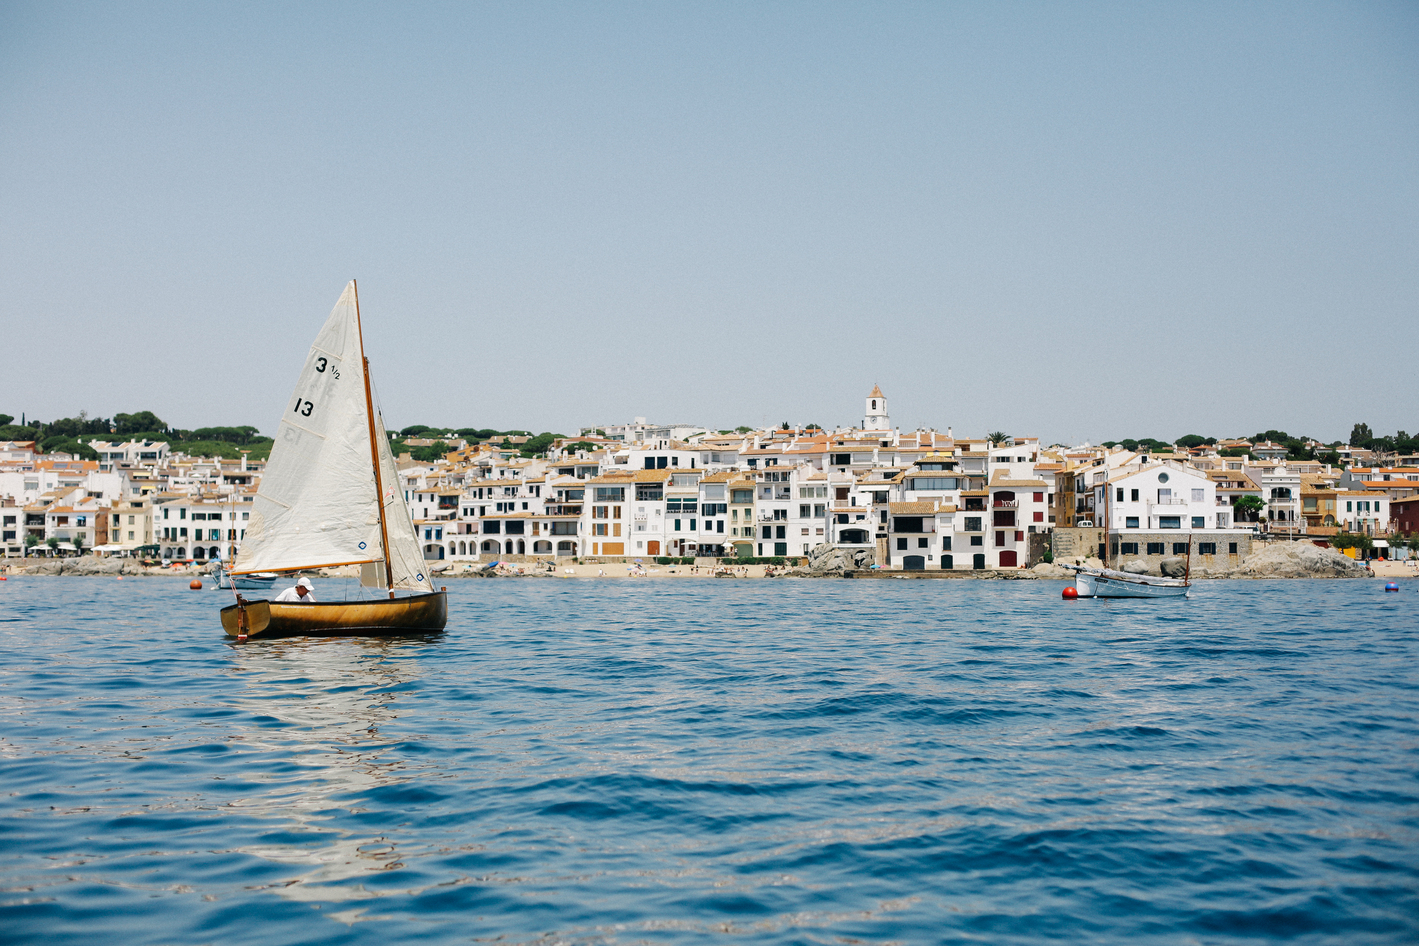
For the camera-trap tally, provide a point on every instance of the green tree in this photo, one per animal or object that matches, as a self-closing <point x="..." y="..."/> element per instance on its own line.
<point x="78" y="541"/>
<point x="52" y="542"/>
<point x="539" y="444"/>
<point x="1360" y="435"/>
<point x="1248" y="507"/>
<point x="785" y="426"/>
<point x="31" y="540"/>
<point x="414" y="430"/>
<point x="580" y="445"/>
<point x="1195" y="440"/>
<point x="997" y="437"/>
<point x="430" y="454"/>
<point x="5" y="419"/>
<point x="140" y="423"/>
<point x="743" y="430"/>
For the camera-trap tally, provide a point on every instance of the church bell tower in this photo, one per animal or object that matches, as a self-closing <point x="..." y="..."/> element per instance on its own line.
<point x="875" y="411"/>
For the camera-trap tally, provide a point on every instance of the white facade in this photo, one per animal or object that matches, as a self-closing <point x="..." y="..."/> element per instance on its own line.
<point x="1160" y="496"/>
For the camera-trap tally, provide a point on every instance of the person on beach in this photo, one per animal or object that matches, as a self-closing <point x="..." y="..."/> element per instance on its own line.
<point x="303" y="592"/>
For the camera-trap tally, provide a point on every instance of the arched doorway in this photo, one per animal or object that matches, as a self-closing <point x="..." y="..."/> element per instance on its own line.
<point x="490" y="547"/>
<point x="521" y="547"/>
<point x="198" y="553"/>
<point x="914" y="563"/>
<point x="542" y="548"/>
<point x="566" y="548"/>
<point x="1007" y="559"/>
<point x="508" y="548"/>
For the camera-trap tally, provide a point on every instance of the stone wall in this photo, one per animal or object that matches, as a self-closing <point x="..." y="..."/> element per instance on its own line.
<point x="1072" y="542"/>
<point x="1224" y="559"/>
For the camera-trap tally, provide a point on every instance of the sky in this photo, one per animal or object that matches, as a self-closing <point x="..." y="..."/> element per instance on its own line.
<point x="1078" y="221"/>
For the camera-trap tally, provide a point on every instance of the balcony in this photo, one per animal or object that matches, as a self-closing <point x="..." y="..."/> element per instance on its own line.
<point x="1006" y="504"/>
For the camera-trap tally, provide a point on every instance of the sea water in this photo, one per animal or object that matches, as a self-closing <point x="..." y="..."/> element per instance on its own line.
<point x="708" y="761"/>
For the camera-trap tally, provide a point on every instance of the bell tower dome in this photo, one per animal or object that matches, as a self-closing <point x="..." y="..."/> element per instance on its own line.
<point x="875" y="411"/>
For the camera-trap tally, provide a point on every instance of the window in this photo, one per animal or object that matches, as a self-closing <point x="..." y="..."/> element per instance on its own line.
<point x="780" y="548"/>
<point x="767" y="533"/>
<point x="1170" y="522"/>
<point x="902" y="544"/>
<point x="842" y="459"/>
<point x="1130" y="522"/>
<point x="1133" y="495"/>
<point x="1156" y="548"/>
<point x="1207" y="548"/>
<point x="1197" y="495"/>
<point x="923" y="543"/>
<point x="1040" y="516"/>
<point x="1039" y="497"/>
<point x="1179" y="548"/>
<point x="804" y="511"/>
<point x="780" y="532"/>
<point x="932" y="482"/>
<point x="1119" y="495"/>
<point x="1231" y="548"/>
<point x="1128" y="548"/>
<point x="945" y="542"/>
<point x="492" y="527"/>
<point x="1199" y="522"/>
<point x="610" y="494"/>
<point x="978" y="540"/>
<point x="973" y="523"/>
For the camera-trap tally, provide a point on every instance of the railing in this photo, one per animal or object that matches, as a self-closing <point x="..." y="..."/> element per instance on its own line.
<point x="1171" y="502"/>
<point x="842" y="504"/>
<point x="1006" y="504"/>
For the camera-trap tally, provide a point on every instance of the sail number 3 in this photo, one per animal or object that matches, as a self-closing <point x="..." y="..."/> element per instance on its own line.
<point x="320" y="364"/>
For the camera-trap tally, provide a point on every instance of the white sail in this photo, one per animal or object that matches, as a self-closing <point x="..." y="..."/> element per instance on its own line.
<point x="406" y="561"/>
<point x="317" y="504"/>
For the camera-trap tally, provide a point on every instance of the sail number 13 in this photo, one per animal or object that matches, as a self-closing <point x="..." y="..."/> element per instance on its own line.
<point x="303" y="408"/>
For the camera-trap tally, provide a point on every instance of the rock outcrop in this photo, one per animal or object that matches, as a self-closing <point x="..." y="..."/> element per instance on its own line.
<point x="1173" y="567"/>
<point x="1050" y="570"/>
<point x="1135" y="567"/>
<point x="829" y="560"/>
<point x="1297" y="560"/>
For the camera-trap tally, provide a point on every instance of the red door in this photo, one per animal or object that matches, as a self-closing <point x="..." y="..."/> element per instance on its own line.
<point x="653" y="547"/>
<point x="1007" y="559"/>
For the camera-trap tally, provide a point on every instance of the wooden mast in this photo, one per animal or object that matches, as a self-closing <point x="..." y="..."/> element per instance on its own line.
<point x="374" y="448"/>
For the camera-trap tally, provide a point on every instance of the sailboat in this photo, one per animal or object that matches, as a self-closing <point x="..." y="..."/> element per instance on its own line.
<point x="330" y="497"/>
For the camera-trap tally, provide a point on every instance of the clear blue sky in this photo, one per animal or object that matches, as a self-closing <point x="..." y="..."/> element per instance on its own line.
<point x="1067" y="220"/>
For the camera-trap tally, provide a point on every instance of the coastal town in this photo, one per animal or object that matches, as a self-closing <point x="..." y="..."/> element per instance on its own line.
<point x="872" y="495"/>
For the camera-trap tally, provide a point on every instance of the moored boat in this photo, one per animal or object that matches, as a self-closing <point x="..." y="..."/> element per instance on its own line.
<point x="1108" y="583"/>
<point x="261" y="581"/>
<point x="330" y="497"/>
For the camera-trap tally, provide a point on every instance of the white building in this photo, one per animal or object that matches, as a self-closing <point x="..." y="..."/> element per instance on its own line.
<point x="1160" y="496"/>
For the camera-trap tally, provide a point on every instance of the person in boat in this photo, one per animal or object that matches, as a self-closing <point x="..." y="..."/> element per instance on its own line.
<point x="303" y="591"/>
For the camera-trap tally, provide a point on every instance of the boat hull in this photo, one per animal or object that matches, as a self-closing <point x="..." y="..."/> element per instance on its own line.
<point x="423" y="612"/>
<point x="1103" y="586"/>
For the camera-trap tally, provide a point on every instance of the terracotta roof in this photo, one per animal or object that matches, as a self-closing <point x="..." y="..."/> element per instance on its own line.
<point x="876" y="392"/>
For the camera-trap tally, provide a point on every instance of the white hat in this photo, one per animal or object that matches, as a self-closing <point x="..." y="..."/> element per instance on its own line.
<point x="305" y="583"/>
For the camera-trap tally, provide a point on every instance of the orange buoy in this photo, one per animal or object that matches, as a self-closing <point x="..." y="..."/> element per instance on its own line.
<point x="1070" y="593"/>
<point x="195" y="584"/>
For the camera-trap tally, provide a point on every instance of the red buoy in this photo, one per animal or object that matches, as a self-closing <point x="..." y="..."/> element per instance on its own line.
<point x="1070" y="593"/>
<point x="195" y="584"/>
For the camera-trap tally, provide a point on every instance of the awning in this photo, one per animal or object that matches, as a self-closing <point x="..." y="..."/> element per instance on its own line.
<point x="1381" y="544"/>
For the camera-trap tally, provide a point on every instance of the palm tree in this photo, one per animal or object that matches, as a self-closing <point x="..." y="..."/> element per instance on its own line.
<point x="997" y="437"/>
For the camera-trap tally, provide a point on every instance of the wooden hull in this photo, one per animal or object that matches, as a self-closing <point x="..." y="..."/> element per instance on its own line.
<point x="424" y="612"/>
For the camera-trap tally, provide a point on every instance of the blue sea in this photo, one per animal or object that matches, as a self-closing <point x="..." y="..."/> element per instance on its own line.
<point x="715" y="761"/>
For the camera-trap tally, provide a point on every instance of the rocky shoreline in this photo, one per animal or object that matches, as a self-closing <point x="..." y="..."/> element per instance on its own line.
<point x="1277" y="560"/>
